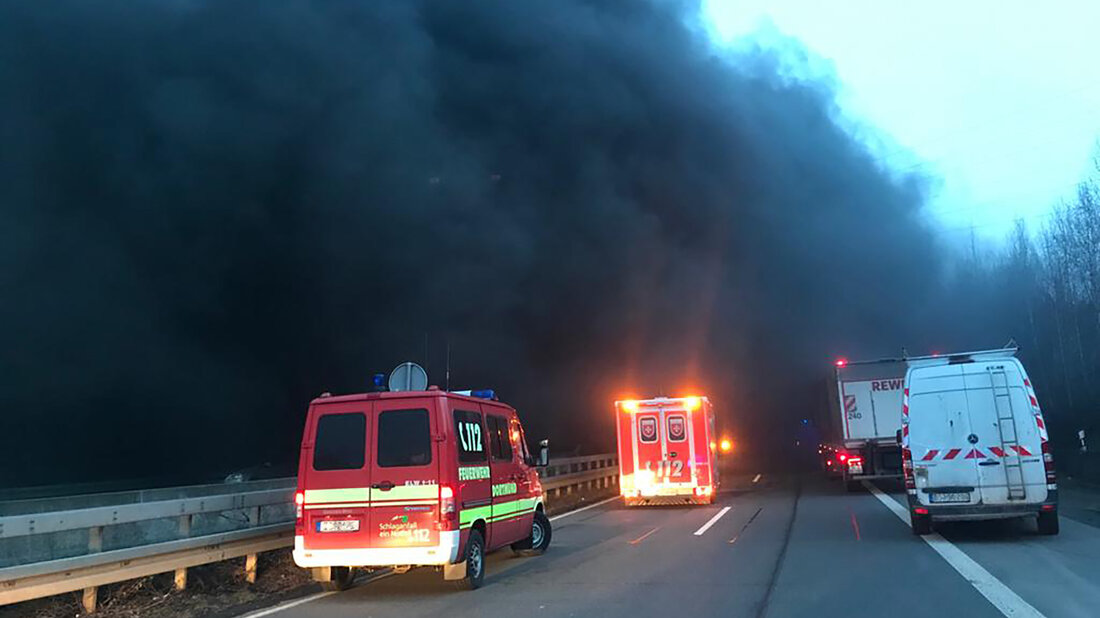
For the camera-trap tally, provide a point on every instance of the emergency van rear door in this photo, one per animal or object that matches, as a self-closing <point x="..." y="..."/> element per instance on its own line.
<point x="405" y="473"/>
<point x="941" y="439"/>
<point x="679" y="439"/>
<point x="337" y="476"/>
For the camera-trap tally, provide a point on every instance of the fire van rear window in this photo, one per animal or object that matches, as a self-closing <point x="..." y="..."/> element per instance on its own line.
<point x="341" y="442"/>
<point x="404" y="438"/>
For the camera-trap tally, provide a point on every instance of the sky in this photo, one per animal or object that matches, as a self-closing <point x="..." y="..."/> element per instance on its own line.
<point x="997" y="102"/>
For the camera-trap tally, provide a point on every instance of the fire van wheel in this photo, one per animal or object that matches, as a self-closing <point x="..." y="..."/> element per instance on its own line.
<point x="922" y="524"/>
<point x="339" y="579"/>
<point x="475" y="563"/>
<point x="1048" y="522"/>
<point x="536" y="544"/>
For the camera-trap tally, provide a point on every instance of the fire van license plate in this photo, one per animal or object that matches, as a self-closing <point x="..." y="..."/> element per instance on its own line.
<point x="340" y="525"/>
<point x="949" y="497"/>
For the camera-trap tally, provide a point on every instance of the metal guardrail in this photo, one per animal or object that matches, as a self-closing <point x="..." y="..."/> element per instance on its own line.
<point x="89" y="515"/>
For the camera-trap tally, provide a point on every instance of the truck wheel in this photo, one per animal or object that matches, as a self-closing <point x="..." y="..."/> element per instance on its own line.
<point x="1048" y="522"/>
<point x="536" y="544"/>
<point x="340" y="578"/>
<point x="922" y="524"/>
<point x="475" y="563"/>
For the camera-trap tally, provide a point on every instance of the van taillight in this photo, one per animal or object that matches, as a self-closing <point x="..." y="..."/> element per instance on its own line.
<point x="299" y="502"/>
<point x="1048" y="462"/>
<point x="446" y="504"/>
<point x="907" y="467"/>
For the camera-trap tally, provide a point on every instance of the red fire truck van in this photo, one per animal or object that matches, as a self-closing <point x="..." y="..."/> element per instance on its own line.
<point x="415" y="478"/>
<point x="667" y="451"/>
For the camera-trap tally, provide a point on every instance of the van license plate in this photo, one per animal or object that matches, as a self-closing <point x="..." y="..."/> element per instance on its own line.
<point x="951" y="497"/>
<point x="342" y="525"/>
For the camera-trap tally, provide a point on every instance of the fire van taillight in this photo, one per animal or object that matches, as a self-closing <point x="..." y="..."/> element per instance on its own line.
<point x="299" y="502"/>
<point x="447" y="513"/>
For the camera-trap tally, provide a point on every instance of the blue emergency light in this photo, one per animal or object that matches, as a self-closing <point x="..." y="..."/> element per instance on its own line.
<point x="378" y="379"/>
<point x="485" y="393"/>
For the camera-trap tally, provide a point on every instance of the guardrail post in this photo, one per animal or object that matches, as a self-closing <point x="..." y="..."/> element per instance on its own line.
<point x="181" y="579"/>
<point x="250" y="568"/>
<point x="89" y="599"/>
<point x="185" y="526"/>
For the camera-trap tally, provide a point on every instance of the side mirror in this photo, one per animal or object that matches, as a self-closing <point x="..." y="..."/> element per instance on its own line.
<point x="544" y="454"/>
<point x="898" y="437"/>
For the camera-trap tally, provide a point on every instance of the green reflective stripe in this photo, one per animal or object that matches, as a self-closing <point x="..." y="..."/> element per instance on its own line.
<point x="473" y="473"/>
<point x="351" y="494"/>
<point x="469" y="516"/>
<point x="406" y="492"/>
<point x="377" y="505"/>
<point x="515" y="507"/>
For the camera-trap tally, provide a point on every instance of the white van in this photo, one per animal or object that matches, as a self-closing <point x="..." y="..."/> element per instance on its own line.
<point x="974" y="443"/>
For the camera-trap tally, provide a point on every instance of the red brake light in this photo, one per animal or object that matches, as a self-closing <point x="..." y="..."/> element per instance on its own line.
<point x="842" y="457"/>
<point x="299" y="498"/>
<point x="446" y="504"/>
<point x="920" y="511"/>
<point x="446" y="492"/>
<point x="841" y="362"/>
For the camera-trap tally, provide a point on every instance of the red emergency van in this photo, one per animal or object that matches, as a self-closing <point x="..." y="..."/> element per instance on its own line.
<point x="415" y="478"/>
<point x="668" y="452"/>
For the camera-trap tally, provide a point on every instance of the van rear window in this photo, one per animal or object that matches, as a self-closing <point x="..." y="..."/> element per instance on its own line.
<point x="340" y="443"/>
<point x="404" y="438"/>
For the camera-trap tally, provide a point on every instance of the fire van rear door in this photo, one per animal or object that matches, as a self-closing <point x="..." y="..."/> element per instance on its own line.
<point x="336" y="476"/>
<point x="405" y="473"/>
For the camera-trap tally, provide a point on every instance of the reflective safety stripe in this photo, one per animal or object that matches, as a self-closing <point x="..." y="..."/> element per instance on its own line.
<point x="406" y="492"/>
<point x="466" y="517"/>
<point x="352" y="494"/>
<point x="377" y="497"/>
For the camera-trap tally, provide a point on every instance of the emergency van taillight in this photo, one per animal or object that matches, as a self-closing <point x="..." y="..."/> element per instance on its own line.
<point x="446" y="504"/>
<point x="1048" y="462"/>
<point x="299" y="502"/>
<point x="907" y="467"/>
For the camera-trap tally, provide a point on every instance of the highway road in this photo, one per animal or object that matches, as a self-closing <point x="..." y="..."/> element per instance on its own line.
<point x="780" y="546"/>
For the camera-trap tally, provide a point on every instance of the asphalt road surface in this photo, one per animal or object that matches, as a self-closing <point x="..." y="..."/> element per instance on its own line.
<point x="780" y="546"/>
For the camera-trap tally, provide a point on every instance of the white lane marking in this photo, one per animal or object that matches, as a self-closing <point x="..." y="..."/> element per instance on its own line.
<point x="712" y="521"/>
<point x="583" y="508"/>
<point x="288" y="605"/>
<point x="994" y="590"/>
<point x="756" y="478"/>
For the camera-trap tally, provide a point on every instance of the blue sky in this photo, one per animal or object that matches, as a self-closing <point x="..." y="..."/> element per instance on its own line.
<point x="999" y="102"/>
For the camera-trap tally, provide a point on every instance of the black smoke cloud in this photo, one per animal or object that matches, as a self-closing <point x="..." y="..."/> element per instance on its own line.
<point x="213" y="211"/>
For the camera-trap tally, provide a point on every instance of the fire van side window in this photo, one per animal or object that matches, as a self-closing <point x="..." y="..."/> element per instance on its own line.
<point x="500" y="445"/>
<point x="471" y="437"/>
<point x="340" y="443"/>
<point x="404" y="438"/>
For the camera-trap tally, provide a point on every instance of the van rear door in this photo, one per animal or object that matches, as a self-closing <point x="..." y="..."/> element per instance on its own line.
<point x="1008" y="450"/>
<point x="336" y="471"/>
<point x="405" y="473"/>
<point x="946" y="471"/>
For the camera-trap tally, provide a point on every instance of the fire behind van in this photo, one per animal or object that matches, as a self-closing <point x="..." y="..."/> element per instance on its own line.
<point x="415" y="478"/>
<point x="974" y="442"/>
